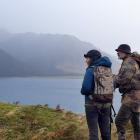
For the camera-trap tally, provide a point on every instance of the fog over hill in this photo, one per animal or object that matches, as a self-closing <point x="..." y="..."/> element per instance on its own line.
<point x="31" y="54"/>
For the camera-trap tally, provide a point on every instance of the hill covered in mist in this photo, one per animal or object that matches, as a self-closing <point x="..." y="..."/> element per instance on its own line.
<point x="31" y="54"/>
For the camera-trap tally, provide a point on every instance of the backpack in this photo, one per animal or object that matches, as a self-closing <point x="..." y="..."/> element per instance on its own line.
<point x="135" y="82"/>
<point x="104" y="87"/>
<point x="136" y="57"/>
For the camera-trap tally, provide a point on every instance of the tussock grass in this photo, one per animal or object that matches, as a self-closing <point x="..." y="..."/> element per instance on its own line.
<point x="20" y="122"/>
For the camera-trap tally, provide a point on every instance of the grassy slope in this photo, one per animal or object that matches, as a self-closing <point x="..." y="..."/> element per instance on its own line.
<point x="19" y="122"/>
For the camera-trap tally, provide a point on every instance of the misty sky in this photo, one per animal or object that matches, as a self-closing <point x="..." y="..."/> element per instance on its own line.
<point x="105" y="23"/>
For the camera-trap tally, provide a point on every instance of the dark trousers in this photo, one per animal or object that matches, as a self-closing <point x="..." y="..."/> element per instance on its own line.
<point x="125" y="114"/>
<point x="98" y="116"/>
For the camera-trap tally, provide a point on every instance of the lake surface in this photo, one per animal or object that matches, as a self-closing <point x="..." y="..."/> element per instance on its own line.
<point x="52" y="91"/>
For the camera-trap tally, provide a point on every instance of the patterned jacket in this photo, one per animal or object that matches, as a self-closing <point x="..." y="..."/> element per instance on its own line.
<point x="126" y="80"/>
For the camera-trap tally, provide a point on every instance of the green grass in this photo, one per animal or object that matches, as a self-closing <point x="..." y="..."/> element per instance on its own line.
<point x="20" y="122"/>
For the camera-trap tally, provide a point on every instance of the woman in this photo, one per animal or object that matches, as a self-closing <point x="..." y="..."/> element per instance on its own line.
<point x="97" y="113"/>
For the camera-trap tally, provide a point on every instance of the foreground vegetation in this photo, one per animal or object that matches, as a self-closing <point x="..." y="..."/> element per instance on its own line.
<point x="20" y="122"/>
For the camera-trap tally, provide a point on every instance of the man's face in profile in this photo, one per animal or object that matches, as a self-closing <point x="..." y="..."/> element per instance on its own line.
<point x="121" y="55"/>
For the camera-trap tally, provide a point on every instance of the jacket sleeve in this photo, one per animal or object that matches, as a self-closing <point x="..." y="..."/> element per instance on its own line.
<point x="88" y="82"/>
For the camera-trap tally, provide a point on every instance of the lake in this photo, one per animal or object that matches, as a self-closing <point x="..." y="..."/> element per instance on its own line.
<point x="49" y="90"/>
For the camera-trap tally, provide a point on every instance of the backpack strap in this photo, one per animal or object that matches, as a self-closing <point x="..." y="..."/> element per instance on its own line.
<point x="93" y="67"/>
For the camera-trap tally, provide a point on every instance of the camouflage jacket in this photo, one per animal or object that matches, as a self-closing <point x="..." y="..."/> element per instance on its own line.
<point x="126" y="80"/>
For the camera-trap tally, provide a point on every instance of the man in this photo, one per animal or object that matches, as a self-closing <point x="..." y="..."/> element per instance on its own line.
<point x="130" y="108"/>
<point x="97" y="113"/>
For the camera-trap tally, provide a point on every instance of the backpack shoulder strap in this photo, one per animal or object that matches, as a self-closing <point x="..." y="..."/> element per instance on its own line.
<point x="92" y="66"/>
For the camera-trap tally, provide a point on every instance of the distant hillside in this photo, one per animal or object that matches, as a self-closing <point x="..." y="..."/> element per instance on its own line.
<point x="45" y="54"/>
<point x="19" y="122"/>
<point x="10" y="66"/>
